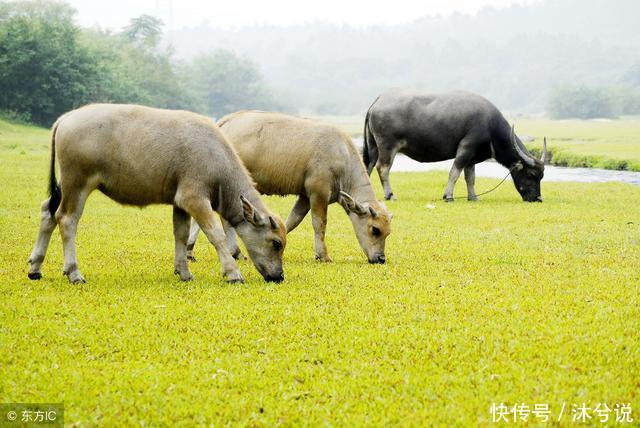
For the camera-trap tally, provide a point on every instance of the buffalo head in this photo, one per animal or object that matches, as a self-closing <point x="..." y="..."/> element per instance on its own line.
<point x="372" y="224"/>
<point x="527" y="171"/>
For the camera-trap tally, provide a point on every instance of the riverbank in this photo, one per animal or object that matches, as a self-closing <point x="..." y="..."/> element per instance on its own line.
<point x="604" y="144"/>
<point x="492" y="169"/>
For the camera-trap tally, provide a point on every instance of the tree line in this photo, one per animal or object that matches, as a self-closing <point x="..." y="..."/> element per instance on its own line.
<point x="48" y="66"/>
<point x="588" y="102"/>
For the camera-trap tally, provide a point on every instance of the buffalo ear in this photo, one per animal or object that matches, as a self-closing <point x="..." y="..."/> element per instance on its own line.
<point x="251" y="213"/>
<point x="273" y="223"/>
<point x="373" y="212"/>
<point x="350" y="205"/>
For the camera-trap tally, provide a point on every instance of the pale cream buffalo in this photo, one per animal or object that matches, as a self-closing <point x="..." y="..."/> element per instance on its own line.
<point x="288" y="155"/>
<point x="140" y="156"/>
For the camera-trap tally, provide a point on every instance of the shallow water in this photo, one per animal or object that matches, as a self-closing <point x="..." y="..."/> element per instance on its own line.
<point x="551" y="173"/>
<point x="495" y="170"/>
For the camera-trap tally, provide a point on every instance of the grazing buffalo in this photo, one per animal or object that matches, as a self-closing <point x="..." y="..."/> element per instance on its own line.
<point x="287" y="155"/>
<point x="437" y="127"/>
<point x="140" y="156"/>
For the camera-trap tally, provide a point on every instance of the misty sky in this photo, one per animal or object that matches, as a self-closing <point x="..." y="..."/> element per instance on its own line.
<point x="176" y="14"/>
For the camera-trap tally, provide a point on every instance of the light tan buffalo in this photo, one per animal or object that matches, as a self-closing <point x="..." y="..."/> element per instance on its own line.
<point x="140" y="156"/>
<point x="288" y="155"/>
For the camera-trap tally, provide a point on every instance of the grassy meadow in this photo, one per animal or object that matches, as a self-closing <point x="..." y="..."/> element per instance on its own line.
<point x="491" y="302"/>
<point x="608" y="144"/>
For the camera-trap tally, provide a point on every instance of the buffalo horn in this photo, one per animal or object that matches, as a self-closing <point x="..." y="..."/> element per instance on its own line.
<point x="521" y="153"/>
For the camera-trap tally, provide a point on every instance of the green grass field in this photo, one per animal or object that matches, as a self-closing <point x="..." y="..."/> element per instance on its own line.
<point x="480" y="303"/>
<point x="611" y="144"/>
<point x="605" y="144"/>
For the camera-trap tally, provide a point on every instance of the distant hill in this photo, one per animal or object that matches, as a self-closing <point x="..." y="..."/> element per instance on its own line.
<point x="514" y="56"/>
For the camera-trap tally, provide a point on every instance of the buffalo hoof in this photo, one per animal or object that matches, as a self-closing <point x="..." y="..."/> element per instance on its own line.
<point x="184" y="276"/>
<point x="235" y="279"/>
<point x="324" y="259"/>
<point x="35" y="275"/>
<point x="390" y="197"/>
<point x="473" y="199"/>
<point x="448" y="198"/>
<point x="74" y="277"/>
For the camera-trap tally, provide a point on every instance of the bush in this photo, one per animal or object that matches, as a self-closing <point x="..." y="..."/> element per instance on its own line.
<point x="13" y="116"/>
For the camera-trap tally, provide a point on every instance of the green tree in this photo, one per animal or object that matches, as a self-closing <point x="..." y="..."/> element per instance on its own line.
<point x="145" y="30"/>
<point x="580" y="102"/>
<point x="225" y="83"/>
<point x="133" y="68"/>
<point x="43" y="70"/>
<point x="49" y="66"/>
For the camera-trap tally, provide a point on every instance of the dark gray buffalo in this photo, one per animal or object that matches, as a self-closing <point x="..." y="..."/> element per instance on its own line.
<point x="437" y="127"/>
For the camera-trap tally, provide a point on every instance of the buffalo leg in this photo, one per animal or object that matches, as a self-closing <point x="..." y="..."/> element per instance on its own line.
<point x="232" y="240"/>
<point x="319" y="203"/>
<point x="181" y="223"/>
<point x="385" y="161"/>
<point x="191" y="242"/>
<point x="454" y="174"/>
<point x="297" y="214"/>
<point x="68" y="216"/>
<point x="47" y="226"/>
<point x="464" y="154"/>
<point x="470" y="178"/>
<point x="200" y="209"/>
